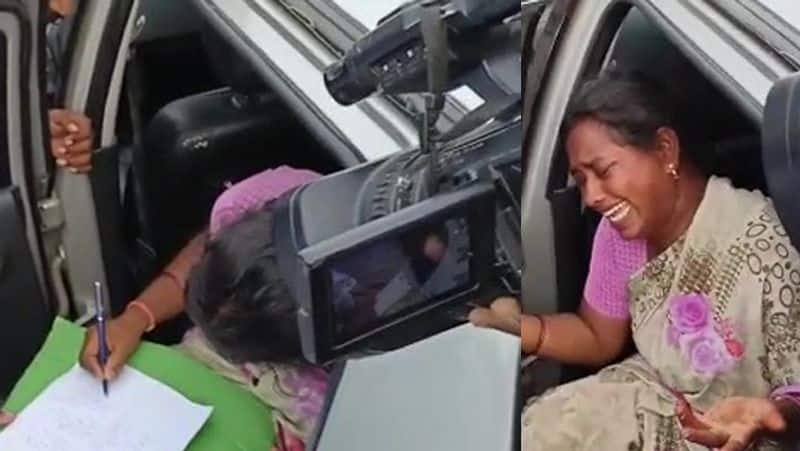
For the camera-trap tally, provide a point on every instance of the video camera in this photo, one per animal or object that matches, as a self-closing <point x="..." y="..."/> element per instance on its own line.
<point x="414" y="239"/>
<point x="392" y="58"/>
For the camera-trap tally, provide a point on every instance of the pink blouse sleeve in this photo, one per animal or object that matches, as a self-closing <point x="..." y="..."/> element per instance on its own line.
<point x="614" y="260"/>
<point x="252" y="193"/>
<point x="790" y="392"/>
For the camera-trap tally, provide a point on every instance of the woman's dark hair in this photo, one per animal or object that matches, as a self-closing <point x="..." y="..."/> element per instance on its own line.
<point x="632" y="106"/>
<point x="237" y="297"/>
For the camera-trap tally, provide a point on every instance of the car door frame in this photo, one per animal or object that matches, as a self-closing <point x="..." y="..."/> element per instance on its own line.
<point x="24" y="292"/>
<point x="93" y="86"/>
<point x="28" y="158"/>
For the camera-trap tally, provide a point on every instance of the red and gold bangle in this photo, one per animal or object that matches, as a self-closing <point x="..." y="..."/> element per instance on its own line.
<point x="542" y="333"/>
<point x="151" y="319"/>
<point x="539" y="337"/>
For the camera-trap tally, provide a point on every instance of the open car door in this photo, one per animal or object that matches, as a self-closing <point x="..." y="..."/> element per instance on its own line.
<point x="25" y="312"/>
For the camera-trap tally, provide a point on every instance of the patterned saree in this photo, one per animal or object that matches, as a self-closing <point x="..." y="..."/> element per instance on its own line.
<point x="715" y="315"/>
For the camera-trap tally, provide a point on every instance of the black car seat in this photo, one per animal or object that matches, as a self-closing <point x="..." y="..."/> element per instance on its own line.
<point x="196" y="146"/>
<point x="739" y="158"/>
<point x="192" y="149"/>
<point x="781" y="152"/>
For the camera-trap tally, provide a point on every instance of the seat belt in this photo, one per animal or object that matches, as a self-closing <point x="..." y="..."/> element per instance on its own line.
<point x="547" y="30"/>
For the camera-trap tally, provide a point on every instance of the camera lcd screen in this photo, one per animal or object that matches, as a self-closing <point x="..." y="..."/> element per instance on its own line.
<point x="380" y="281"/>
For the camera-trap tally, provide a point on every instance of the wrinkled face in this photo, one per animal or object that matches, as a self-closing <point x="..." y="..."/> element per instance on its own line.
<point x="631" y="187"/>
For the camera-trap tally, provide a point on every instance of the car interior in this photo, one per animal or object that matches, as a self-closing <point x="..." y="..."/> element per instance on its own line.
<point x="729" y="144"/>
<point x="198" y="119"/>
<point x="194" y="118"/>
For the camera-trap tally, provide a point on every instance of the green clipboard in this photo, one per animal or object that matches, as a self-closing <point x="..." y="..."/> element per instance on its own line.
<point x="239" y="422"/>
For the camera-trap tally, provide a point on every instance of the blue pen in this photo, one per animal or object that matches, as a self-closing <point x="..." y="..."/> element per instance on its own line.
<point x="101" y="330"/>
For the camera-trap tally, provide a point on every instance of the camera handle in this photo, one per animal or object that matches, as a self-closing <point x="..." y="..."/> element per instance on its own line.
<point x="434" y="34"/>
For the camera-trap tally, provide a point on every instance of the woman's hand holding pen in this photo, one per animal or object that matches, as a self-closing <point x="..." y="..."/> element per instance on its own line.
<point x="123" y="335"/>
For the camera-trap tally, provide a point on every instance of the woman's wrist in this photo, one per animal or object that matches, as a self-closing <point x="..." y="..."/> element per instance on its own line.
<point x="136" y="320"/>
<point x="532" y="333"/>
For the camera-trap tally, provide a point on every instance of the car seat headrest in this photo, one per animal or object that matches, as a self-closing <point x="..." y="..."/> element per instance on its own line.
<point x="781" y="151"/>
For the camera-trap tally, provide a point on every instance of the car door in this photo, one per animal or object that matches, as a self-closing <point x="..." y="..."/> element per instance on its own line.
<point x="545" y="22"/>
<point x="25" y="312"/>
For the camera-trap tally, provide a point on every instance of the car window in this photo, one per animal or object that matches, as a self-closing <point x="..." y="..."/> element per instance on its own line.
<point x="788" y="10"/>
<point x="368" y="13"/>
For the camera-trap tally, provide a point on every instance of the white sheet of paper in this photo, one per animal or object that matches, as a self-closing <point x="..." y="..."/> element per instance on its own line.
<point x="455" y="391"/>
<point x="139" y="414"/>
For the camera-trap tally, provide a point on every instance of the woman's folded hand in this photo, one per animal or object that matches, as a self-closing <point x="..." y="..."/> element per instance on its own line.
<point x="504" y="314"/>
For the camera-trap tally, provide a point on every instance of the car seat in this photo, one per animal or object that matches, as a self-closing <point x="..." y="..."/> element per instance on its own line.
<point x="781" y="152"/>
<point x="196" y="146"/>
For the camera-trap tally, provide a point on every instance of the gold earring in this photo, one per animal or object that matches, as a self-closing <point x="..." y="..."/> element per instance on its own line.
<point x="673" y="171"/>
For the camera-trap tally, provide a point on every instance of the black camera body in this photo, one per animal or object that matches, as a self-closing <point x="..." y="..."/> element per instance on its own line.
<point x="393" y="251"/>
<point x="346" y="220"/>
<point x="392" y="58"/>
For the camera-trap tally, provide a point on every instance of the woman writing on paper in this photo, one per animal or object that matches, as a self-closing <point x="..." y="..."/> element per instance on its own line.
<point x="229" y="283"/>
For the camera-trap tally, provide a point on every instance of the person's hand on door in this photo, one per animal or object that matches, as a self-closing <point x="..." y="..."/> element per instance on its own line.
<point x="71" y="140"/>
